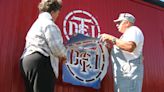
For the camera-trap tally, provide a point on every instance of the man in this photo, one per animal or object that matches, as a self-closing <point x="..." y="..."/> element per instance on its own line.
<point x="126" y="55"/>
<point x="43" y="50"/>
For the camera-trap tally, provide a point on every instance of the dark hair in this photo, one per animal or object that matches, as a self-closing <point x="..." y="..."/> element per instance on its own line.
<point x="54" y="7"/>
<point x="49" y="6"/>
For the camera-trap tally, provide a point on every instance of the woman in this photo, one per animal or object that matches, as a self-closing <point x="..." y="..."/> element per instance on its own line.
<point x="44" y="47"/>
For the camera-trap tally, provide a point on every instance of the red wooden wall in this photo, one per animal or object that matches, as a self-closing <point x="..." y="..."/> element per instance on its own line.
<point x="16" y="17"/>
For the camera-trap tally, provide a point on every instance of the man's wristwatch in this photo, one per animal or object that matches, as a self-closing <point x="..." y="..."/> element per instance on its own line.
<point x="114" y="40"/>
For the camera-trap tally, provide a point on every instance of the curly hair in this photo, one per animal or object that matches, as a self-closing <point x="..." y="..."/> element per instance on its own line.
<point x="49" y="5"/>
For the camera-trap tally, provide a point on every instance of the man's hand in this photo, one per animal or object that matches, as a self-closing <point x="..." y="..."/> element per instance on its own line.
<point x="106" y="37"/>
<point x="63" y="59"/>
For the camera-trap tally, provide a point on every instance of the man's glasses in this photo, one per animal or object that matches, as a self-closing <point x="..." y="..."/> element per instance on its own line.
<point x="119" y="22"/>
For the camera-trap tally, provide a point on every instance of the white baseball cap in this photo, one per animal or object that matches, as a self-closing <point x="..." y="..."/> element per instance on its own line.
<point x="126" y="16"/>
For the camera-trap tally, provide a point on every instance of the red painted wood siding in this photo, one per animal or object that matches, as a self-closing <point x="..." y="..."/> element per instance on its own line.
<point x="16" y="17"/>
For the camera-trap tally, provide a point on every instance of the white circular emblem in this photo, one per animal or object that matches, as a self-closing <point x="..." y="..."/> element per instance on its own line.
<point x="79" y="21"/>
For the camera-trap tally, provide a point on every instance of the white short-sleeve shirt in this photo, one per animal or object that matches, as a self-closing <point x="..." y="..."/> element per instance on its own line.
<point x="134" y="34"/>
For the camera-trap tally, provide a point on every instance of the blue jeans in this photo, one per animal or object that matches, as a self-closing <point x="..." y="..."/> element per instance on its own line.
<point x="128" y="75"/>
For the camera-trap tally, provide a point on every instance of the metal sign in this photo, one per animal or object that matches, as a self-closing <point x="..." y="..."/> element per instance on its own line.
<point x="87" y="61"/>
